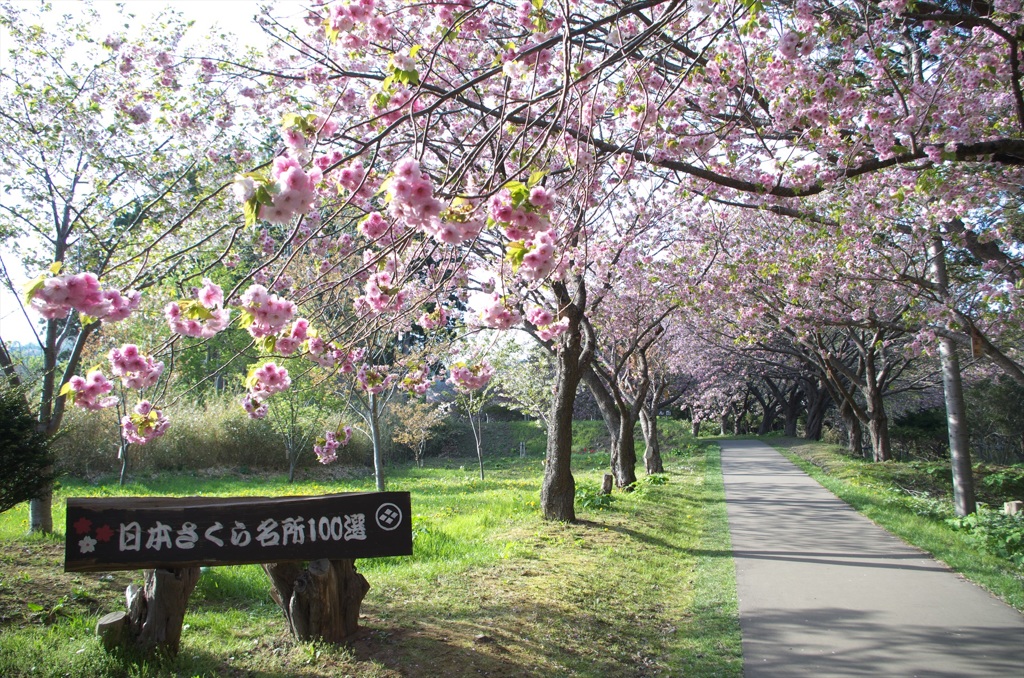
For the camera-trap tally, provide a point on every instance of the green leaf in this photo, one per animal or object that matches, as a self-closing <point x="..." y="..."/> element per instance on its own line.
<point x="266" y="344"/>
<point x="536" y="178"/>
<point x="251" y="208"/>
<point x="87" y="319"/>
<point x="414" y="50"/>
<point x="263" y="195"/>
<point x="191" y="309"/>
<point x="514" y="253"/>
<point x="55" y="267"/>
<point x="245" y="319"/>
<point x="33" y="286"/>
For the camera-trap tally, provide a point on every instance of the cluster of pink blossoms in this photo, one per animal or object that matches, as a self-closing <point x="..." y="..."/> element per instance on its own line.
<point x="794" y="44"/>
<point x="328" y="452"/>
<point x="539" y="260"/>
<point x="289" y="342"/>
<point x="202" y="321"/>
<point x="81" y="292"/>
<point x="144" y="424"/>
<point x="435" y="320"/>
<point x="269" y="312"/>
<point x="521" y="217"/>
<point x="349" y="17"/>
<point x="470" y="377"/>
<point x="547" y="326"/>
<point x="417" y="381"/>
<point x="136" y="370"/>
<point x="293" y="190"/>
<point x="262" y="383"/>
<point x="411" y="194"/>
<point x="88" y="392"/>
<point x="497" y="315"/>
<point x="374" y="378"/>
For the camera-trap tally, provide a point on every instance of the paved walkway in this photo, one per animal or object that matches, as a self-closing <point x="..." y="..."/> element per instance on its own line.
<point x="825" y="592"/>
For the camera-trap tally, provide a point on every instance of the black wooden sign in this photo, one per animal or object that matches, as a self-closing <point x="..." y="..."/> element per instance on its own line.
<point x="129" y="533"/>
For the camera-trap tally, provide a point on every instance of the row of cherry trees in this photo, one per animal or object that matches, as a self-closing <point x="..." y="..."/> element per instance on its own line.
<point x="826" y="188"/>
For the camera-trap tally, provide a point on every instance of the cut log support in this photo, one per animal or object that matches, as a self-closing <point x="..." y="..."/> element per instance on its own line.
<point x="155" y="613"/>
<point x="606" y="483"/>
<point x="321" y="601"/>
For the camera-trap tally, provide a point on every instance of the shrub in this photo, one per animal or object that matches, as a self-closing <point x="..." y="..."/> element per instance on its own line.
<point x="995" y="532"/>
<point x="24" y="452"/>
<point x="589" y="497"/>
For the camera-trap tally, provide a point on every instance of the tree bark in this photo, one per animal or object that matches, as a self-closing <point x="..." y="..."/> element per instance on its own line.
<point x="558" y="489"/>
<point x="878" y="427"/>
<point x="156" y="611"/>
<point x="652" y="445"/>
<point x="956" y="420"/>
<point x="378" y="454"/>
<point x="854" y="433"/>
<point x="695" y="427"/>
<point x="321" y="601"/>
<point x="624" y="454"/>
<point x="605" y="405"/>
<point x="818" y="402"/>
<point x="791" y="411"/>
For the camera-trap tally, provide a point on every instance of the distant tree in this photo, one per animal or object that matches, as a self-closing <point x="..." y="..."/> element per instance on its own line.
<point x="418" y="420"/>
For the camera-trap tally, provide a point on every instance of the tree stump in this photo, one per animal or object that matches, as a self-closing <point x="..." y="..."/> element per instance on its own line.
<point x="321" y="601"/>
<point x="606" y="484"/>
<point x="155" y="613"/>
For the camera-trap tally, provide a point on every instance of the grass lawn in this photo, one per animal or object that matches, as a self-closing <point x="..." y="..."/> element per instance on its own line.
<point x="910" y="504"/>
<point x="491" y="590"/>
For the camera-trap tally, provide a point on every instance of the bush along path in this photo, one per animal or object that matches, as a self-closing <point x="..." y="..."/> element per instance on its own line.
<point x="824" y="591"/>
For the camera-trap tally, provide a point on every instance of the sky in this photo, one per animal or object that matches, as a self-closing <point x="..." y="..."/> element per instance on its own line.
<point x="229" y="16"/>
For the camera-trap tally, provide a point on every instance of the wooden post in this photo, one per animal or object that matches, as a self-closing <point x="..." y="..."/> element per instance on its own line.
<point x="607" y="483"/>
<point x="320" y="601"/>
<point x="155" y="613"/>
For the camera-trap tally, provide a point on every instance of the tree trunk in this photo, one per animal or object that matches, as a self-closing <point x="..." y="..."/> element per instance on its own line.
<point x="878" y="428"/>
<point x="723" y="422"/>
<point x="854" y="433"/>
<point x="624" y="454"/>
<point x="40" y="512"/>
<point x="956" y="421"/>
<point x="378" y="455"/>
<point x="558" y="491"/>
<point x="652" y="446"/>
<point x="474" y="423"/>
<point x="953" y="390"/>
<point x="818" y="402"/>
<point x="791" y="411"/>
<point x="606" y="406"/>
<point x="770" y="413"/>
<point x="321" y="601"/>
<point x="695" y="428"/>
<point x="156" y="612"/>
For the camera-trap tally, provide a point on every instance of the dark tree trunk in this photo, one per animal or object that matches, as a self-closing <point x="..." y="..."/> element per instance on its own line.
<point x="605" y="405"/>
<point x="854" y="432"/>
<point x="321" y="601"/>
<point x="652" y="445"/>
<point x="558" y="489"/>
<point x="695" y="428"/>
<point x="771" y="412"/>
<point x="791" y="411"/>
<point x="818" y="402"/>
<point x="878" y="428"/>
<point x="155" y="612"/>
<point x="624" y="454"/>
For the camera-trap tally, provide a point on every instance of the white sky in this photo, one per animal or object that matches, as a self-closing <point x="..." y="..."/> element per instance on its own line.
<point x="228" y="16"/>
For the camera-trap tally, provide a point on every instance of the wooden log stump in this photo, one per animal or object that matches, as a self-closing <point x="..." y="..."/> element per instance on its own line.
<point x="607" y="483"/>
<point x="320" y="601"/>
<point x="155" y="613"/>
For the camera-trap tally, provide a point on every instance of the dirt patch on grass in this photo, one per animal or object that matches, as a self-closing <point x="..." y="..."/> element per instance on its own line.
<point x="34" y="589"/>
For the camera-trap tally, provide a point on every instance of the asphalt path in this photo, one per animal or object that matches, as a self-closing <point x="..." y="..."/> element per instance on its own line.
<point x="825" y="592"/>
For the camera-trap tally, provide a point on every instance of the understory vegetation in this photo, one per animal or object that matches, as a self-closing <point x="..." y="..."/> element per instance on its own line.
<point x="913" y="500"/>
<point x="639" y="587"/>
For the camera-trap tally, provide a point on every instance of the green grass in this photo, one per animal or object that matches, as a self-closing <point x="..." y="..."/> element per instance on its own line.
<point x="637" y="588"/>
<point x="879" y="491"/>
